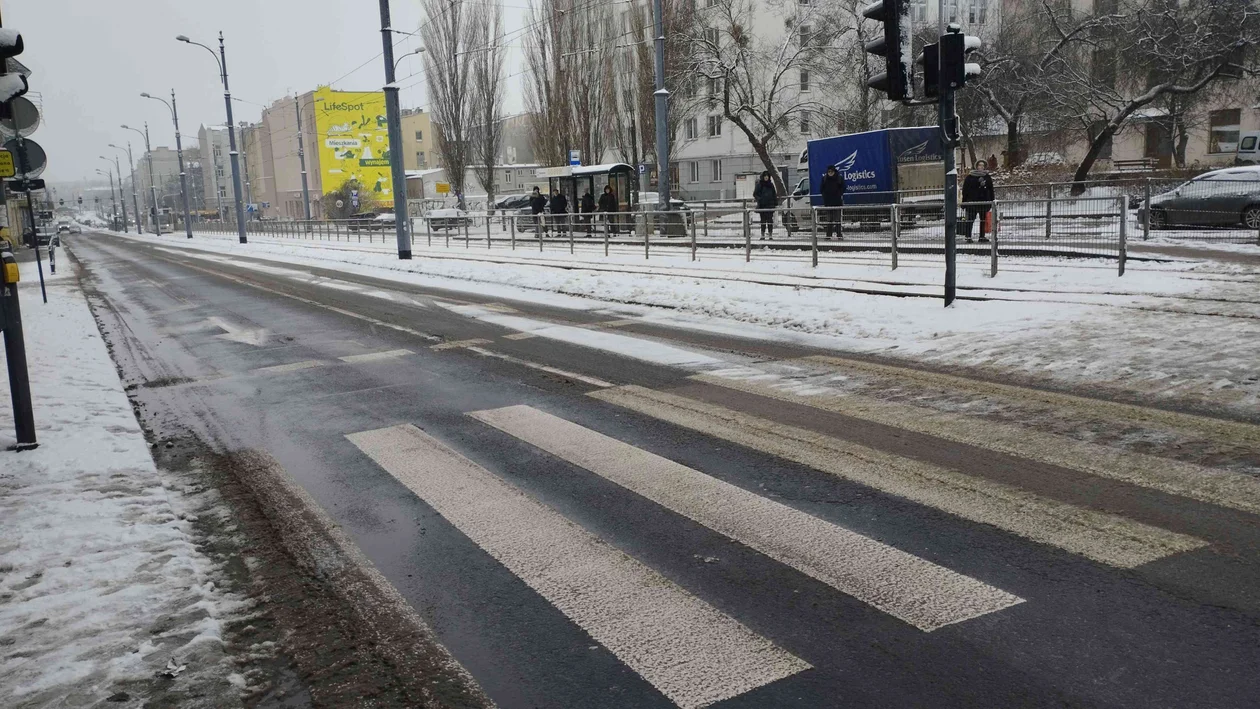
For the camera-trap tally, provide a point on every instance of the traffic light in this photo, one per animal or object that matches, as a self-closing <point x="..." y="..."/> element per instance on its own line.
<point x="896" y="47"/>
<point x="61" y="202"/>
<point x="954" y="48"/>
<point x="931" y="61"/>
<point x="80" y="200"/>
<point x="12" y="85"/>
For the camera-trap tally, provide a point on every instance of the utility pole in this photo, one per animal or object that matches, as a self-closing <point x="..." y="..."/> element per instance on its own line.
<point x="949" y="137"/>
<point x="306" y="192"/>
<point x="135" y="199"/>
<point x="126" y="230"/>
<point x="394" y="117"/>
<point x="662" y="111"/>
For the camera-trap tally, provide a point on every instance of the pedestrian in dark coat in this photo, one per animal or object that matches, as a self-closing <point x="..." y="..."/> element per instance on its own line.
<point x="977" y="197"/>
<point x="767" y="199"/>
<point x="587" y="207"/>
<point x="538" y="205"/>
<point x="831" y="189"/>
<point x="609" y="206"/>
<point x="560" y="211"/>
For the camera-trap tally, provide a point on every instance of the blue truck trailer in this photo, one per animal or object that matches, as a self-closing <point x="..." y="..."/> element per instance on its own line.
<point x="881" y="167"/>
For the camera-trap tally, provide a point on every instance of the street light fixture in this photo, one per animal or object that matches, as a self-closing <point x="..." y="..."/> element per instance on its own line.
<point x="113" y="217"/>
<point x="221" y="60"/>
<point x="122" y="198"/>
<point x="157" y="229"/>
<point x="418" y="50"/>
<point x="173" y="107"/>
<point x="135" y="201"/>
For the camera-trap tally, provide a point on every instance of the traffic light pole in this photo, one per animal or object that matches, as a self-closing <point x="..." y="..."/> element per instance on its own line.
<point x="949" y="138"/>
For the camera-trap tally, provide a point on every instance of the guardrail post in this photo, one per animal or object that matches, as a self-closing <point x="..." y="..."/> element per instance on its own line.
<point x="813" y="238"/>
<point x="895" y="226"/>
<point x="512" y="224"/>
<point x="705" y="207"/>
<point x="568" y="219"/>
<point x="1146" y="212"/>
<point x="649" y="225"/>
<point x="1124" y="233"/>
<point x="467" y="238"/>
<point x="747" y="235"/>
<point x="488" y="247"/>
<point x="1049" y="209"/>
<point x="607" y="230"/>
<point x="993" y="241"/>
<point x="693" y="236"/>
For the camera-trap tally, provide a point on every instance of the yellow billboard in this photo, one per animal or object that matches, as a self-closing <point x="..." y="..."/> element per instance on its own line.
<point x="354" y="141"/>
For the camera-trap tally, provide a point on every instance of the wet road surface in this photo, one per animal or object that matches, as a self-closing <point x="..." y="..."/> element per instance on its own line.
<point x="592" y="511"/>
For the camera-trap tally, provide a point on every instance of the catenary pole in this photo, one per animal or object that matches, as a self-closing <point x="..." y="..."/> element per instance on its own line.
<point x="306" y="192"/>
<point x="394" y="118"/>
<point x="183" y="174"/>
<point x="662" y="111"/>
<point x="949" y="127"/>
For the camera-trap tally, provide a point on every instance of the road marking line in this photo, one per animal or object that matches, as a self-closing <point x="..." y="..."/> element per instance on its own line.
<point x="292" y="367"/>
<point x="499" y="308"/>
<point x="593" y="381"/>
<point x="1197" y="482"/>
<point x="905" y="586"/>
<point x="1099" y="536"/>
<point x="618" y="323"/>
<point x="1232" y="433"/>
<point x="375" y="356"/>
<point x="693" y="653"/>
<point x="520" y="336"/>
<point x="458" y="344"/>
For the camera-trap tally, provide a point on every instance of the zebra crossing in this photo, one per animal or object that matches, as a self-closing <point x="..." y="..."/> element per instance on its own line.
<point x="693" y="652"/>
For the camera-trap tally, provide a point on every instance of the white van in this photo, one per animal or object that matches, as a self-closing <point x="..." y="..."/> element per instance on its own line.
<point x="1248" y="149"/>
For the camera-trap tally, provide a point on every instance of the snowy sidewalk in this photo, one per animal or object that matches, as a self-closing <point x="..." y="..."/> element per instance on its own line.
<point x="100" y="580"/>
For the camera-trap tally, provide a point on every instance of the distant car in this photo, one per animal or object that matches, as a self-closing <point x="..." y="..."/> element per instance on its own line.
<point x="370" y="221"/>
<point x="512" y="201"/>
<point x="1229" y="197"/>
<point x="76" y="229"/>
<point x="63" y="228"/>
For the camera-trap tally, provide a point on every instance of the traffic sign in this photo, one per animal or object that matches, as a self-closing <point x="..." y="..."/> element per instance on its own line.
<point x="36" y="158"/>
<point x="6" y="164"/>
<point x="575" y="157"/>
<point x="26" y="186"/>
<point x="18" y="117"/>
<point x="442" y="187"/>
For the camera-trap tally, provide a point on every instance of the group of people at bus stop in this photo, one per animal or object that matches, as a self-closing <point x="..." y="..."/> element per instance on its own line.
<point x="977" y="201"/>
<point x="558" y="206"/>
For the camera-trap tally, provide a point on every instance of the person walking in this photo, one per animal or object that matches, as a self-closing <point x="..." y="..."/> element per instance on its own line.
<point x="560" y="211"/>
<point x="977" y="197"/>
<point x="831" y="188"/>
<point x="538" y="205"/>
<point x="767" y="199"/>
<point x="588" y="209"/>
<point x="609" y="206"/>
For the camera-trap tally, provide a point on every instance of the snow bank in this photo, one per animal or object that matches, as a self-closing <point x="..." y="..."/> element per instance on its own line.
<point x="100" y="581"/>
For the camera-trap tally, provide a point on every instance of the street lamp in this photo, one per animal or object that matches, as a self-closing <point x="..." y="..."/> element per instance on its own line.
<point x="135" y="201"/>
<point x="179" y="152"/>
<point x="120" y="192"/>
<point x="221" y="60"/>
<point x="418" y="50"/>
<point x="153" y="203"/>
<point x="394" y="117"/>
<point x="113" y="204"/>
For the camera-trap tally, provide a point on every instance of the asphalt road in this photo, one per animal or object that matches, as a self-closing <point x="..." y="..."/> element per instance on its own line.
<point x="596" y="512"/>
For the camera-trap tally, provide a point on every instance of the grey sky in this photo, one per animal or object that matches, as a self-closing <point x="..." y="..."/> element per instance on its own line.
<point x="93" y="58"/>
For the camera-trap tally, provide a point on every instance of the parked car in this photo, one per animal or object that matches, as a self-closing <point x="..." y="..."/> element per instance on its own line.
<point x="512" y="201"/>
<point x="1228" y="197"/>
<point x="370" y="221"/>
<point x="448" y="218"/>
<point x="75" y="228"/>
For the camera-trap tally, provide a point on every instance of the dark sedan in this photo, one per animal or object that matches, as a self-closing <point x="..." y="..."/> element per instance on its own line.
<point x="1219" y="198"/>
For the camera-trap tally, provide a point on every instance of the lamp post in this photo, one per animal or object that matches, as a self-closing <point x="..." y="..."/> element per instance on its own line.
<point x="126" y="230"/>
<point x="113" y="215"/>
<point x="179" y="153"/>
<point x="221" y="59"/>
<point x="157" y="229"/>
<point x="306" y="192"/>
<point x="394" y="118"/>
<point x="135" y="201"/>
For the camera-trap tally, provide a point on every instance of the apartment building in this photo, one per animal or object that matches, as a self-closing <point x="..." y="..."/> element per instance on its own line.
<point x="419" y="145"/>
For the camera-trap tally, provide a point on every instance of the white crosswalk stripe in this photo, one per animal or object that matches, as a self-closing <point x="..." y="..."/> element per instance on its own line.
<point x="905" y="586"/>
<point x="1103" y="537"/>
<point x="1197" y="482"/>
<point x="375" y="356"/>
<point x="693" y="653"/>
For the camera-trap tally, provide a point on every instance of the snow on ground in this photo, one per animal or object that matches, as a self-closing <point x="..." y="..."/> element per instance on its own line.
<point x="100" y="581"/>
<point x="1185" y="329"/>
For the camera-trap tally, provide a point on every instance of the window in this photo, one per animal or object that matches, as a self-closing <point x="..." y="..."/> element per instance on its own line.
<point x="918" y="10"/>
<point x="507" y="175"/>
<point x="222" y="191"/>
<point x="1249" y="143"/>
<point x="804" y="80"/>
<point x="806" y="35"/>
<point x="979" y="13"/>
<point x="690" y="129"/>
<point x="804" y="122"/>
<point x="419" y="135"/>
<point x="695" y="171"/>
<point x="1094" y="131"/>
<point x="1224" y="131"/>
<point x="712" y="36"/>
<point x="218" y="171"/>
<point x="218" y="152"/>
<point x="715" y="167"/>
<point x="951" y="10"/>
<point x="715" y="126"/>
<point x="803" y="2"/>
<point x="710" y="3"/>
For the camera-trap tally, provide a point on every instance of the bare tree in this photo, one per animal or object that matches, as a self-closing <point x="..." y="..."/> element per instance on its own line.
<point x="449" y="36"/>
<point x="1139" y="52"/>
<point x="487" y="92"/>
<point x="756" y="79"/>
